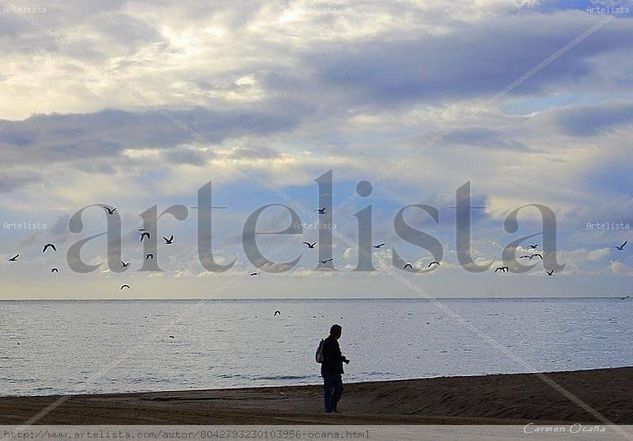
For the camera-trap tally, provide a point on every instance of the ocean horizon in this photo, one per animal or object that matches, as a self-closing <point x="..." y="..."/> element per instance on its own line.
<point x="112" y="346"/>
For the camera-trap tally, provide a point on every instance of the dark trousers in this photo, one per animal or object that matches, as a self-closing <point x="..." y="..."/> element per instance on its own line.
<point x="332" y="391"/>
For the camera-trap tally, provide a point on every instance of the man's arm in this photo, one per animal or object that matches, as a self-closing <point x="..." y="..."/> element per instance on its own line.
<point x="341" y="357"/>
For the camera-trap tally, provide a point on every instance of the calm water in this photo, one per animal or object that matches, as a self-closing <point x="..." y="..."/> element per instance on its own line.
<point x="51" y="347"/>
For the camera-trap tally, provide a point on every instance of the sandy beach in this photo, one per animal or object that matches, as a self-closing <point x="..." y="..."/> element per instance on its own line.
<point x="490" y="399"/>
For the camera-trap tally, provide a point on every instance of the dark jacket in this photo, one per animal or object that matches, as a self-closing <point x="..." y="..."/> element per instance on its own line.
<point x="332" y="357"/>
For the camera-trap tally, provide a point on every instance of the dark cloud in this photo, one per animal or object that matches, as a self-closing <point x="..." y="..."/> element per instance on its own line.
<point x="9" y="183"/>
<point x="473" y="59"/>
<point x="594" y="120"/>
<point x="51" y="138"/>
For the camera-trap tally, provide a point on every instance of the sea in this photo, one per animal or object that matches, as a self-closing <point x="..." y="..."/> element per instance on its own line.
<point x="112" y="346"/>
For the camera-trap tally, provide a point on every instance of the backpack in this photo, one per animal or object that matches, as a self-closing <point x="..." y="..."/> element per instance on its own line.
<point x="319" y="353"/>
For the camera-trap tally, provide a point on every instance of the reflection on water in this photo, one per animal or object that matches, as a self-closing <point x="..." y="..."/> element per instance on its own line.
<point x="52" y="347"/>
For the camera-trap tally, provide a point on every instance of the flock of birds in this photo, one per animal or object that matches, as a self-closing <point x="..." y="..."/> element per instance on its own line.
<point x="144" y="234"/>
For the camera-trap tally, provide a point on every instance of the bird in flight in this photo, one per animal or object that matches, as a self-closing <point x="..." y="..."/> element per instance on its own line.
<point x="54" y="270"/>
<point x="435" y="262"/>
<point x="408" y="265"/>
<point x="621" y="247"/>
<point x="109" y="210"/>
<point x="171" y="336"/>
<point x="124" y="264"/>
<point x="326" y="261"/>
<point x="320" y="210"/>
<point x="310" y="245"/>
<point x="550" y="273"/>
<point x="149" y="256"/>
<point x="379" y="245"/>
<point x="277" y="313"/>
<point x="47" y="246"/>
<point x="144" y="235"/>
<point x="254" y="274"/>
<point x="169" y="240"/>
<point x="125" y="285"/>
<point x="503" y="269"/>
<point x="536" y="254"/>
<point x="534" y="246"/>
<point x="14" y="258"/>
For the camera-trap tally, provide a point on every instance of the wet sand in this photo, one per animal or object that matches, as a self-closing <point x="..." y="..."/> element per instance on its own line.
<point x="490" y="399"/>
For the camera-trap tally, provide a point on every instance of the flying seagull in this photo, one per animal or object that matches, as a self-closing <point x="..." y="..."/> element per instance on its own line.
<point x="621" y="247"/>
<point x="277" y="313"/>
<point x="47" y="246"/>
<point x="54" y="270"/>
<point x="326" y="261"/>
<point x="408" y="265"/>
<point x="320" y="210"/>
<point x="310" y="245"/>
<point x="125" y="285"/>
<point x="14" y="258"/>
<point x="124" y="264"/>
<point x="435" y="262"/>
<point x="503" y="269"/>
<point x="109" y="210"/>
<point x="149" y="256"/>
<point x="550" y="273"/>
<point x="171" y="336"/>
<point x="144" y="235"/>
<point x="379" y="245"/>
<point x="169" y="241"/>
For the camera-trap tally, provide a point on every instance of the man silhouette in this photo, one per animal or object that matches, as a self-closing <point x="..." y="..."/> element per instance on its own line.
<point x="331" y="369"/>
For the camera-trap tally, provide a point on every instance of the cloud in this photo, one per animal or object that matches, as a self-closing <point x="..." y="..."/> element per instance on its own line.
<point x="289" y="90"/>
<point x="105" y="134"/>
<point x="253" y="153"/>
<point x="188" y="155"/>
<point x="620" y="268"/>
<point x="483" y="137"/>
<point x="10" y="182"/>
<point x="596" y="119"/>
<point x="469" y="60"/>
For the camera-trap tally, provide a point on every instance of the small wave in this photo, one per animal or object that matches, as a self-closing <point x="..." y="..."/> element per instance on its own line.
<point x="378" y="374"/>
<point x="283" y="377"/>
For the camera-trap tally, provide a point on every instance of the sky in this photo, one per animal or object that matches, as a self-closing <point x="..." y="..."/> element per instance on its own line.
<point x="137" y="104"/>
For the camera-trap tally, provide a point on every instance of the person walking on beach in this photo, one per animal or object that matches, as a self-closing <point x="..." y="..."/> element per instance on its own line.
<point x="332" y="369"/>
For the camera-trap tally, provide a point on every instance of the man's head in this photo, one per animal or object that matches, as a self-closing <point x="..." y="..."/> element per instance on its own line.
<point x="335" y="331"/>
